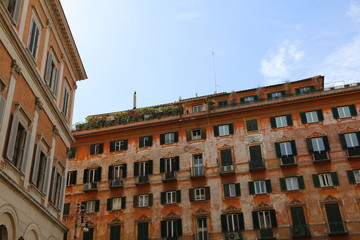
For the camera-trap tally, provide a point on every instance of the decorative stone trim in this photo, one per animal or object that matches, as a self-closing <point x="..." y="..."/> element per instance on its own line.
<point x="201" y="212"/>
<point x="143" y="218"/>
<point x="232" y="209"/>
<point x="38" y="104"/>
<point x="295" y="203"/>
<point x="15" y="69"/>
<point x="172" y="215"/>
<point x="263" y="206"/>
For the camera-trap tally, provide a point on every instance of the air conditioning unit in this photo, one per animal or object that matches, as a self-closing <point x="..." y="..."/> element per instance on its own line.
<point x="233" y="236"/>
<point x="117" y="182"/>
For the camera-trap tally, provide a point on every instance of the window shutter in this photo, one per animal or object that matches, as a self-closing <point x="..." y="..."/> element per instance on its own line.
<point x="255" y="153"/>
<point x="150" y="167"/>
<point x="115" y="232"/>
<point x="309" y="145"/>
<point x="255" y="220"/>
<point x="25" y="158"/>
<point x="269" y="95"/>
<point x="136" y="201"/>
<point x="163" y="198"/>
<point x="110" y="173"/>
<point x="136" y="169"/>
<point x="15" y="16"/>
<point x="231" y="128"/>
<point x="301" y="182"/>
<point x="303" y="117"/>
<point x="141" y="142"/>
<point x="92" y="149"/>
<point x="188" y="135"/>
<point x="123" y="202"/>
<point x="283" y="184"/>
<point x="203" y="133"/>
<point x="125" y="147"/>
<point x="53" y="185"/>
<point x="61" y="196"/>
<point x="162" y="139"/>
<point x="293" y="147"/>
<point x="289" y="120"/>
<point x="226" y="158"/>
<point x="73" y="178"/>
<point x="251" y="188"/>
<point x="353" y="111"/>
<point x="46" y="178"/>
<point x="326" y="143"/>
<point x="178" y="196"/>
<point x="86" y="176"/>
<point x="273" y="218"/>
<point x="241" y="221"/>
<point x="179" y="227"/>
<point x="242" y="99"/>
<point x="226" y="190"/>
<point x="297" y="90"/>
<point x="101" y="150"/>
<point x="177" y="163"/>
<point x="335" y="112"/>
<point x="278" y="150"/>
<point x="224" y="227"/>
<point x="109" y="204"/>
<point x="251" y="125"/>
<point x="192" y="195"/>
<point x="36" y="165"/>
<point x="268" y="186"/>
<point x="2" y="108"/>
<point x="98" y="174"/>
<point x="316" y="180"/>
<point x="343" y="141"/>
<point x="176" y="136"/>
<point x="273" y="122"/>
<point x="207" y="193"/>
<point x="150" y="199"/>
<point x="56" y="80"/>
<point x="163" y="229"/>
<point x="124" y="170"/>
<point x="335" y="178"/>
<point x="320" y="115"/>
<point x="112" y="146"/>
<point x="162" y="165"/>
<point x="150" y="140"/>
<point x="66" y="209"/>
<point x="97" y="205"/>
<point x="12" y="137"/>
<point x="351" y="177"/>
<point x="216" y="131"/>
<point x="48" y="66"/>
<point x="283" y="93"/>
<point x="237" y="189"/>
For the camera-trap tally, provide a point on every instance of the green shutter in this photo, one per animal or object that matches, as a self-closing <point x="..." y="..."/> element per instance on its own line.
<point x="179" y="227"/>
<point x="109" y="204"/>
<point x="163" y="229"/>
<point x="115" y="232"/>
<point x="320" y="115"/>
<point x="178" y="196"/>
<point x="97" y="205"/>
<point x="162" y="139"/>
<point x="316" y="180"/>
<point x="278" y="150"/>
<point x="351" y="177"/>
<point x="255" y="220"/>
<point x="224" y="226"/>
<point x="289" y="120"/>
<point x="343" y="141"/>
<point x="226" y="190"/>
<point x="251" y="188"/>
<point x="326" y="143"/>
<point x="303" y="117"/>
<point x="273" y="122"/>
<point x="237" y="189"/>
<point x="123" y="202"/>
<point x="301" y="182"/>
<point x="216" y="131"/>
<point x="309" y="145"/>
<point x="241" y="221"/>
<point x="176" y="136"/>
<point x="335" y="178"/>
<point x="335" y="112"/>
<point x="162" y="165"/>
<point x="268" y="186"/>
<point x="112" y="146"/>
<point x="353" y="111"/>
<point x="66" y="209"/>
<point x="293" y="147"/>
<point x="110" y="172"/>
<point x="283" y="184"/>
<point x="273" y="218"/>
<point x="231" y="128"/>
<point x="163" y="198"/>
<point x="226" y="157"/>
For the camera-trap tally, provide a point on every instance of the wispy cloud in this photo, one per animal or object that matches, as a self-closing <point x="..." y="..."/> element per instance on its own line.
<point x="354" y="13"/>
<point x="277" y="66"/>
<point x="190" y="16"/>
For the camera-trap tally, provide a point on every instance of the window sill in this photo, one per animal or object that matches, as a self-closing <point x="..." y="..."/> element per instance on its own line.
<point x="201" y="201"/>
<point x="346" y="118"/>
<point x="231" y="197"/>
<point x="120" y="151"/>
<point x="144" y="148"/>
<point x="168" y="144"/>
<point x="328" y="187"/>
<point x="225" y="136"/>
<point x="314" y="123"/>
<point x="197" y="140"/>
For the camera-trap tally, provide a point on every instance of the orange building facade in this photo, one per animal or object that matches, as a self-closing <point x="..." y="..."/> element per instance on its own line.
<point x="277" y="162"/>
<point x="39" y="67"/>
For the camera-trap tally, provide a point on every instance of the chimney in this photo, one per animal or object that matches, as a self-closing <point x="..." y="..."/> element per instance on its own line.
<point x="134" y="100"/>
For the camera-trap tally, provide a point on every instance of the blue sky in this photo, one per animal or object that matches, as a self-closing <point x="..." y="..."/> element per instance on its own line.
<point x="162" y="49"/>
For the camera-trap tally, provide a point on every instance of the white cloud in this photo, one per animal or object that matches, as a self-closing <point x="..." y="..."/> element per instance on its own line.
<point x="354" y="13"/>
<point x="277" y="66"/>
<point x="190" y="15"/>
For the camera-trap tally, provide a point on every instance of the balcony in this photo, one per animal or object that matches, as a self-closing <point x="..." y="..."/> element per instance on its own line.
<point x="300" y="231"/>
<point x="321" y="156"/>
<point x="169" y="176"/>
<point x="257" y="164"/>
<point x="288" y="160"/>
<point x="266" y="233"/>
<point x="353" y="151"/>
<point x="336" y="228"/>
<point x="198" y="172"/>
<point x="92" y="186"/>
<point x="142" y="180"/>
<point x="115" y="183"/>
<point x="228" y="169"/>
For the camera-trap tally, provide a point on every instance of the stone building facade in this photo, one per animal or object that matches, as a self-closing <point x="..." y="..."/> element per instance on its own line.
<point x="275" y="162"/>
<point x="39" y="67"/>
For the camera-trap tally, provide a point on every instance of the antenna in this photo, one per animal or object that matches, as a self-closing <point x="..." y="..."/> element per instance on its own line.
<point x="213" y="54"/>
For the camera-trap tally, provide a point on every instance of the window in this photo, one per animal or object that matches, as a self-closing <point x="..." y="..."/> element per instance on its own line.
<point x="249" y="99"/>
<point x="97" y="148"/>
<point x="319" y="147"/>
<point x="13" y="6"/>
<point x="18" y="145"/>
<point x="336" y="224"/>
<point x="89" y="235"/>
<point x="52" y="73"/>
<point x="57" y="188"/>
<point x="278" y="94"/>
<point x="286" y="151"/>
<point x="344" y="111"/>
<point x="72" y="152"/>
<point x="226" y="157"/>
<point x="300" y="228"/>
<point x="198" y="167"/>
<point x="117" y="171"/>
<point x="171" y="197"/>
<point x="120" y="145"/>
<point x="115" y="232"/>
<point x="304" y="90"/>
<point x="260" y="187"/>
<point x="143" y="231"/>
<point x="143" y="168"/>
<point x="171" y="229"/>
<point x="223" y="130"/>
<point x="66" y="209"/>
<point x="92" y="175"/>
<point x="116" y="203"/>
<point x="41" y="169"/>
<point x="169" y="165"/>
<point x="2" y="105"/>
<point x="354" y="176"/>
<point x="222" y="103"/>
<point x="292" y="183"/>
<point x="251" y="125"/>
<point x="65" y="103"/>
<point x="232" y="190"/>
<point x="197" y="108"/>
<point x="144" y="200"/>
<point x="71" y="178"/>
<point x="232" y="222"/>
<point x="201" y="229"/>
<point x="312" y="116"/>
<point x="34" y="38"/>
<point x="256" y="160"/>
<point x="145" y="141"/>
<point x="92" y="206"/>
<point x="264" y="219"/>
<point x="281" y="121"/>
<point x="168" y="138"/>
<point x="350" y="142"/>
<point x="195" y="134"/>
<point x="199" y="194"/>
<point x="325" y="179"/>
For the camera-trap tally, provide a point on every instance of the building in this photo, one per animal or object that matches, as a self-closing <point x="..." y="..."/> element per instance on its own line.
<point x="39" y="67"/>
<point x="274" y="162"/>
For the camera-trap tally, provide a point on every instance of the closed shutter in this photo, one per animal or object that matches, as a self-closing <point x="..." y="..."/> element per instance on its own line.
<point x="335" y="112"/>
<point x="297" y="216"/>
<point x="150" y="199"/>
<point x="293" y="147"/>
<point x="125" y="146"/>
<point x="289" y="120"/>
<point x="112" y="146"/>
<point x="255" y="220"/>
<point x="162" y="165"/>
<point x="35" y="170"/>
<point x="136" y="169"/>
<point x="251" y="125"/>
<point x="203" y="133"/>
<point x="111" y="173"/>
<point x="56" y="80"/>
<point x="226" y="190"/>
<point x="255" y="153"/>
<point x="92" y="149"/>
<point x="25" y="156"/>
<point x="188" y="135"/>
<point x="179" y="227"/>
<point x="237" y="189"/>
<point x="62" y="193"/>
<point x="278" y="150"/>
<point x="333" y="213"/>
<point x="124" y="170"/>
<point x="150" y="141"/>
<point x="301" y="182"/>
<point x="309" y="145"/>
<point x="241" y="221"/>
<point x="268" y="186"/>
<point x="47" y="175"/>
<point x="115" y="232"/>
<point x="73" y="177"/>
<point x="343" y="141"/>
<point x="53" y="185"/>
<point x="231" y="128"/>
<point x="109" y="204"/>
<point x="216" y="131"/>
<point x="353" y="111"/>
<point x="2" y="109"/>
<point x="149" y="166"/>
<point x="12" y="137"/>
<point x="273" y="122"/>
<point x="226" y="157"/>
<point x="66" y="209"/>
<point x="164" y="229"/>
<point x="176" y="137"/>
<point x="178" y="196"/>
<point x="177" y="163"/>
<point x="283" y="184"/>
<point x="97" y="205"/>
<point x="89" y="235"/>
<point x="86" y="176"/>
<point x="224" y="226"/>
<point x="101" y="148"/>
<point x="207" y="193"/>
<point x="273" y="218"/>
<point x="123" y="202"/>
<point x="98" y="174"/>
<point x="351" y="177"/>
<point x="251" y="188"/>
<point x="303" y="117"/>
<point x="326" y="143"/>
<point x="316" y="180"/>
<point x="141" y="142"/>
<point x="162" y="139"/>
<point x="192" y="195"/>
<point x="48" y="67"/>
<point x="335" y="178"/>
<point x="320" y="115"/>
<point x="163" y="198"/>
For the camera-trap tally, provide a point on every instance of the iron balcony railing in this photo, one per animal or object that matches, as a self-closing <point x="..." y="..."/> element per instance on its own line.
<point x="117" y="183"/>
<point x="198" y="171"/>
<point x="257" y="164"/>
<point x="336" y="227"/>
<point x="288" y="160"/>
<point x="142" y="179"/>
<point x="91" y="186"/>
<point x="169" y="176"/>
<point x="301" y="230"/>
<point x="266" y="233"/>
<point x="353" y="151"/>
<point x="227" y="169"/>
<point x="321" y="156"/>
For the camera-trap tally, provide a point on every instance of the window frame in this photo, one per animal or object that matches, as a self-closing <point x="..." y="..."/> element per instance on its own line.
<point x="197" y="108"/>
<point x="196" y="136"/>
<point x="199" y="194"/>
<point x="260" y="187"/>
<point x="34" y="46"/>
<point x="143" y="200"/>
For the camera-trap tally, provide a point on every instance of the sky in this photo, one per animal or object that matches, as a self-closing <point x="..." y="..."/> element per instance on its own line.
<point x="166" y="49"/>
